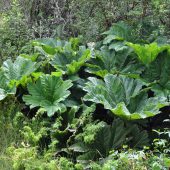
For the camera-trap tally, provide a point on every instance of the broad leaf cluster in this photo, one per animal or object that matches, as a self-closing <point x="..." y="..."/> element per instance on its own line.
<point x="123" y="96"/>
<point x="90" y="101"/>
<point x="48" y="93"/>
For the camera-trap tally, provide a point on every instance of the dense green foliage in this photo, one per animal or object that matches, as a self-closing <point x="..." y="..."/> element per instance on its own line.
<point x="97" y="101"/>
<point x="77" y="107"/>
<point x="22" y="20"/>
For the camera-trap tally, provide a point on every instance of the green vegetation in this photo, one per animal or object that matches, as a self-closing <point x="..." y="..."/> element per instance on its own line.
<point x="99" y="101"/>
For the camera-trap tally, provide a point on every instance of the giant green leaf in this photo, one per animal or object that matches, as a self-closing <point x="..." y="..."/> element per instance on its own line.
<point x="117" y="46"/>
<point x="70" y="61"/>
<point x="110" y="61"/>
<point x="48" y="93"/>
<point x="123" y="96"/>
<point x="110" y="137"/>
<point x="66" y="56"/>
<point x="18" y="70"/>
<point x="48" y="46"/>
<point x="140" y="107"/>
<point x="158" y="73"/>
<point x="5" y="89"/>
<point x="148" y="52"/>
<point x="119" y="31"/>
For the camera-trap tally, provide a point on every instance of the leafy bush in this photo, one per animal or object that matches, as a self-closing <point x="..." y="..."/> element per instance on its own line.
<point x="14" y="31"/>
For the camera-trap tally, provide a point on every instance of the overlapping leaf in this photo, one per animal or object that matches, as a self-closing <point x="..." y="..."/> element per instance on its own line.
<point x="48" y="93"/>
<point x="148" y="52"/>
<point x="119" y="31"/>
<point x="118" y="46"/>
<point x="159" y="73"/>
<point x="110" y="61"/>
<point x="110" y="137"/>
<point x="123" y="96"/>
<point x="107" y="138"/>
<point x="48" y="46"/>
<point x="70" y="61"/>
<point x="18" y="70"/>
<point x="66" y="56"/>
<point x="5" y="89"/>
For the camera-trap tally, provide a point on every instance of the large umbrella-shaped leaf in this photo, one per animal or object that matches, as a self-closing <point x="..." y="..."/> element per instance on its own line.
<point x="19" y="69"/>
<point x="119" y="31"/>
<point x="158" y="73"/>
<point x="5" y="89"/>
<point x="110" y="137"/>
<point x="48" y="93"/>
<point x="110" y="61"/>
<point x="70" y="61"/>
<point x="148" y="52"/>
<point x="66" y="56"/>
<point x="123" y="96"/>
<point x="48" y="46"/>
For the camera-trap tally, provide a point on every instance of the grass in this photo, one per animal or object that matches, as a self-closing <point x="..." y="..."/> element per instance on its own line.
<point x="8" y="134"/>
